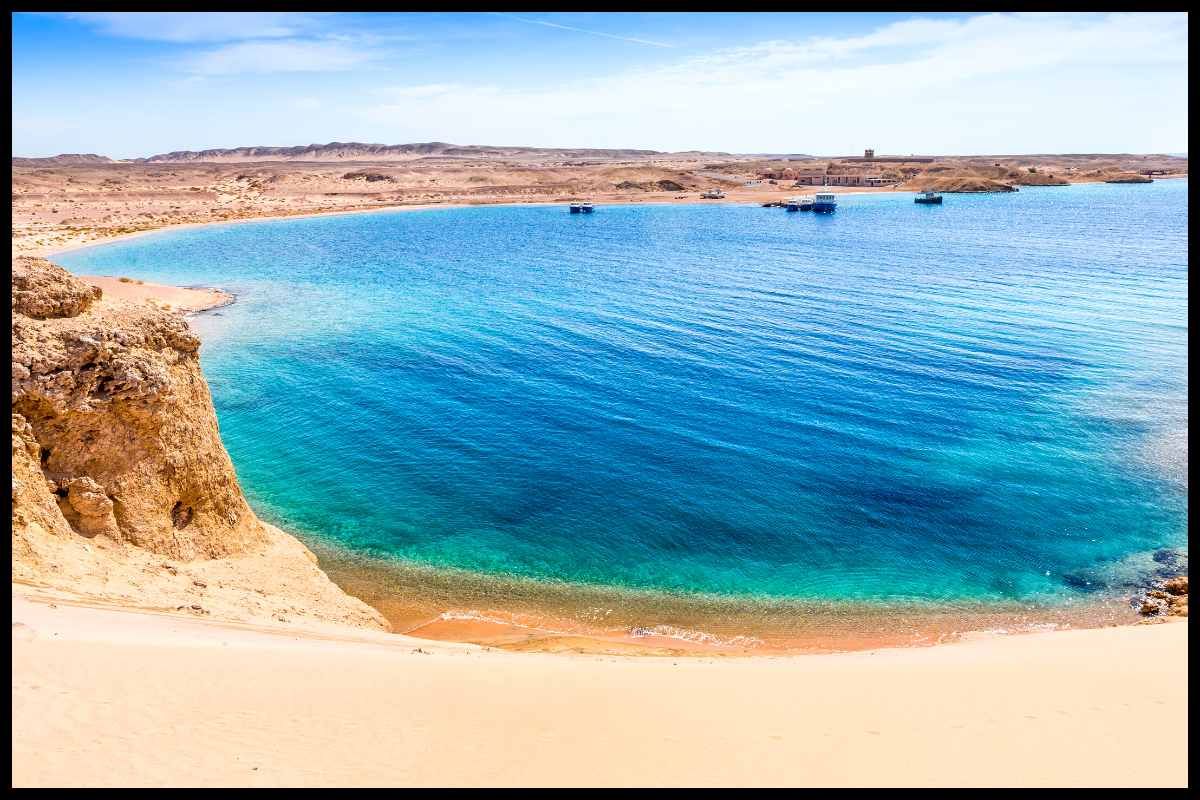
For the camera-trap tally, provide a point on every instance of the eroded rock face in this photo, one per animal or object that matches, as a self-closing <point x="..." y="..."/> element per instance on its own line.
<point x="43" y="290"/>
<point x="87" y="508"/>
<point x="118" y="466"/>
<point x="122" y="418"/>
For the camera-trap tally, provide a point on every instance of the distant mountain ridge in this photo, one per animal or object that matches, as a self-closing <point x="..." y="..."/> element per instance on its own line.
<point x="64" y="158"/>
<point x="343" y="152"/>
<point x="359" y="151"/>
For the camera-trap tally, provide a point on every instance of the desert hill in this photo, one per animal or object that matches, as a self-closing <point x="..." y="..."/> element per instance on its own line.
<point x="64" y="159"/>
<point x="358" y="151"/>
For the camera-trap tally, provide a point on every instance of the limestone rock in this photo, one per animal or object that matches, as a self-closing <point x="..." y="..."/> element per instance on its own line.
<point x="43" y="290"/>
<point x="117" y="463"/>
<point x="1150" y="608"/>
<point x="90" y="507"/>
<point x="1176" y="586"/>
<point x="114" y="398"/>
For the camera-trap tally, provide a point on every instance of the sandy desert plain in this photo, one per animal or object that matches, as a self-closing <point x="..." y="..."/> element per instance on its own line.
<point x="75" y="199"/>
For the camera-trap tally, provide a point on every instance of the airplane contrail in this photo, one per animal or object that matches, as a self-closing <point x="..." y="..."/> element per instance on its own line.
<point x="582" y="30"/>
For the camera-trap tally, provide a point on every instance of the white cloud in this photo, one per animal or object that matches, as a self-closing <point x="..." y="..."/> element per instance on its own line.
<point x="196" y="26"/>
<point x="423" y="90"/>
<point x="824" y="94"/>
<point x="292" y="55"/>
<point x="248" y="42"/>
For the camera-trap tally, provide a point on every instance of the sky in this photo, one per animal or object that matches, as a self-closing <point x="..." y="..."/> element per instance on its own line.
<point x="135" y="84"/>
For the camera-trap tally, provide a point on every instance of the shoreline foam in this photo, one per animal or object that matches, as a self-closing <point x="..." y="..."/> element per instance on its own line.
<point x="528" y="614"/>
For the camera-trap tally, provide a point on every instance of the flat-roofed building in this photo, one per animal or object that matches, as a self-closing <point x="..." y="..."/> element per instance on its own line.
<point x="812" y="178"/>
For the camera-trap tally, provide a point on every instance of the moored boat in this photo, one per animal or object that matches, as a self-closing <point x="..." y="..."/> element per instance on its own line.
<point x="824" y="203"/>
<point x="576" y="208"/>
<point x="928" y="199"/>
<point x="586" y="208"/>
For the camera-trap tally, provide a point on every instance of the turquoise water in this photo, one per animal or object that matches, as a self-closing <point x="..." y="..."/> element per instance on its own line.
<point x="985" y="400"/>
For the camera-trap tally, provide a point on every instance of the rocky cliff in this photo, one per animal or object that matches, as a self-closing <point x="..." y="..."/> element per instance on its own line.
<point x="121" y="488"/>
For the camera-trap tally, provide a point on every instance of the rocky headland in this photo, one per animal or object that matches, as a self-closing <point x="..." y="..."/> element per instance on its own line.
<point x="121" y="489"/>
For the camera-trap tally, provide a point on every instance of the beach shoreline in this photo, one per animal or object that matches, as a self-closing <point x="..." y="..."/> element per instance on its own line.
<point x="526" y="614"/>
<point x="179" y="299"/>
<point x="734" y="197"/>
<point x="1058" y="709"/>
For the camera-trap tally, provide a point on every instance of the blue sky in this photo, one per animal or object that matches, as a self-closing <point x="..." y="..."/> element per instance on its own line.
<point x="133" y="84"/>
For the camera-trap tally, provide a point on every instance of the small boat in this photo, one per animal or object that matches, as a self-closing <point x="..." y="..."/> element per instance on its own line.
<point x="804" y="203"/>
<point x="576" y="208"/>
<point x="586" y="208"/>
<point x="825" y="203"/>
<point x="712" y="194"/>
<point x="928" y="199"/>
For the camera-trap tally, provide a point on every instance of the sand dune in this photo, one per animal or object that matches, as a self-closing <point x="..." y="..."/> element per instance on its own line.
<point x="214" y="705"/>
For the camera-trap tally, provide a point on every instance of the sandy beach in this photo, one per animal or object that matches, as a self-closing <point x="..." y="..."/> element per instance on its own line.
<point x="221" y="705"/>
<point x="68" y="239"/>
<point x="169" y="298"/>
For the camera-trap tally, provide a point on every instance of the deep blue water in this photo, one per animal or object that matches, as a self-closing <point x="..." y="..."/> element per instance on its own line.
<point x="982" y="400"/>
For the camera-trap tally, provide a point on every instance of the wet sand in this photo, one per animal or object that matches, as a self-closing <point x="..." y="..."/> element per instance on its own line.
<point x="523" y="614"/>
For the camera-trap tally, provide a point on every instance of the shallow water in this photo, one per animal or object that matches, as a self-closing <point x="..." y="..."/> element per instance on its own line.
<point x="980" y="402"/>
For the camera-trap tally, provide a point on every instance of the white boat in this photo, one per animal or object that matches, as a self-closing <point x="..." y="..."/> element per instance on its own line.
<point x="712" y="194"/>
